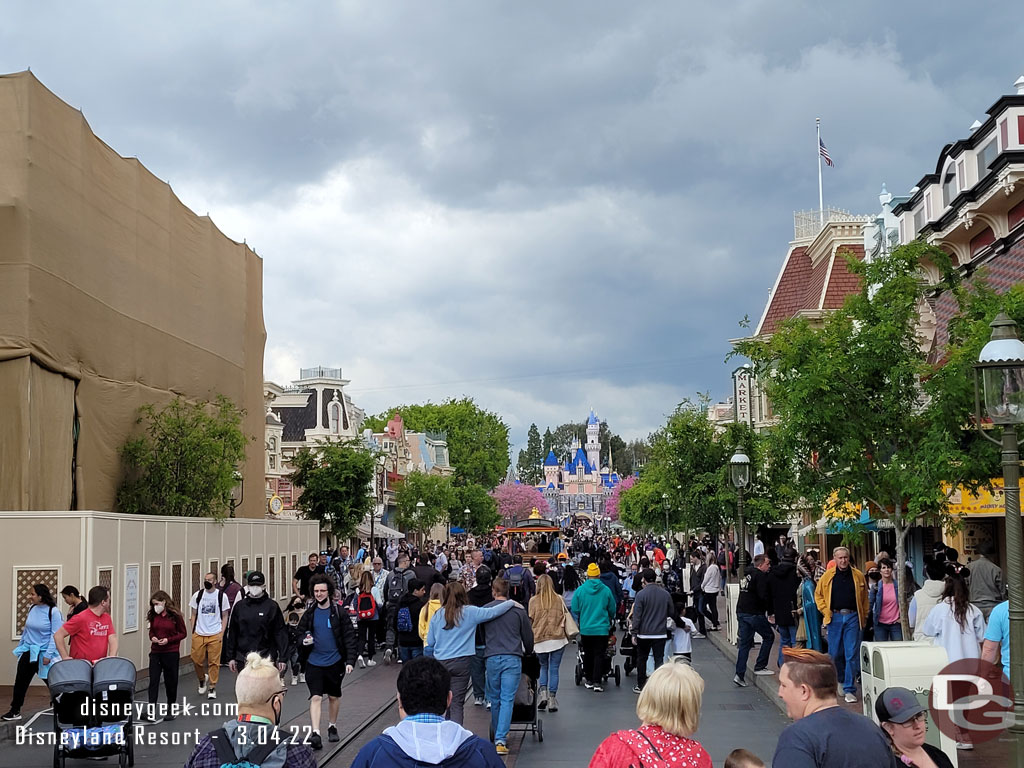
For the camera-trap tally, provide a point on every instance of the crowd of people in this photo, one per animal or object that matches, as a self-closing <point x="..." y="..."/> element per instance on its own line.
<point x="466" y="616"/>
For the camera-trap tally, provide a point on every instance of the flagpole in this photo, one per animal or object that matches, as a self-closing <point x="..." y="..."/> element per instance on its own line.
<point x="821" y="199"/>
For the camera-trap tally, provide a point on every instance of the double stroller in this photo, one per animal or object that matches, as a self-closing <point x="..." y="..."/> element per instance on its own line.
<point x="93" y="708"/>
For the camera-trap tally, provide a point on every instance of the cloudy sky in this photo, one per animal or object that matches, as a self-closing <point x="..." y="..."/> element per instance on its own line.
<point x="544" y="206"/>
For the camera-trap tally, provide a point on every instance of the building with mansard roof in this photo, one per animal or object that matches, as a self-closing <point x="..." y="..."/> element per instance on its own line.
<point x="577" y="484"/>
<point x="314" y="408"/>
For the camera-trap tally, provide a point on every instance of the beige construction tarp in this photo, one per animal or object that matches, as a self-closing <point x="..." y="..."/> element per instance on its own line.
<point x="112" y="294"/>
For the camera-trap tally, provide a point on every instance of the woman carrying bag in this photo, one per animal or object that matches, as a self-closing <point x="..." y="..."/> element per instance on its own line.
<point x="37" y="650"/>
<point x="551" y="627"/>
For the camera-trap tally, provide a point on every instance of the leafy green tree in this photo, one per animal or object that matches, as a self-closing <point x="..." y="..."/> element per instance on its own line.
<point x="477" y="439"/>
<point x="532" y="458"/>
<point x="546" y="442"/>
<point x="863" y="416"/>
<point x="335" y="478"/>
<point x="185" y="463"/>
<point x="483" y="510"/>
<point x="440" y="501"/>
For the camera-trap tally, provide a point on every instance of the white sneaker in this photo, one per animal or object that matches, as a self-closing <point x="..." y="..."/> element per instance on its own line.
<point x="699" y="635"/>
<point x="850" y="698"/>
<point x="295" y="679"/>
<point x="202" y="685"/>
<point x="302" y="677"/>
<point x="763" y="672"/>
<point x="598" y="689"/>
<point x="371" y="663"/>
<point x="738" y="682"/>
<point x="361" y="661"/>
<point x="212" y="694"/>
<point x="387" y="655"/>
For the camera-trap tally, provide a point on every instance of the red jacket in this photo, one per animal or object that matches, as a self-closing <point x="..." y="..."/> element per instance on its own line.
<point x="645" y="746"/>
<point x="171" y="627"/>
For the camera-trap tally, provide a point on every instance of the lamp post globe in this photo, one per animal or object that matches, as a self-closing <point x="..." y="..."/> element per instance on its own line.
<point x="1000" y="369"/>
<point x="739" y="474"/>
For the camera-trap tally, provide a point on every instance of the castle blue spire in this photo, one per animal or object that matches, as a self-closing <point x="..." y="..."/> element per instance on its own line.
<point x="593" y="419"/>
<point x="551" y="461"/>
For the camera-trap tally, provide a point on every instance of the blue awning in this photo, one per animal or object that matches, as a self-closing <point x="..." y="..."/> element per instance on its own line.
<point x="864" y="522"/>
<point x="456" y="529"/>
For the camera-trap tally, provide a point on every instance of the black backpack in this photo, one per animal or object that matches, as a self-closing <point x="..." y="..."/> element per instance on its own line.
<point x="516" y="587"/>
<point x="400" y="585"/>
<point x="226" y="753"/>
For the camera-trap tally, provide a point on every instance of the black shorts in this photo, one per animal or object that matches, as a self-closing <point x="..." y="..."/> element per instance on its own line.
<point x="325" y="681"/>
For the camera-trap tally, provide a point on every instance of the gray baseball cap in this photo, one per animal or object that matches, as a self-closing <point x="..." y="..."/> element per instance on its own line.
<point x="897" y="705"/>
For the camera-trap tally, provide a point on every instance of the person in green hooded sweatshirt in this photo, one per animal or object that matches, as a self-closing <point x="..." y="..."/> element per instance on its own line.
<point x="593" y="607"/>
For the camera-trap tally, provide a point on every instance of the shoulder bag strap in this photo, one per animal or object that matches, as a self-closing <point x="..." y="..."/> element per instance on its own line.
<point x="222" y="745"/>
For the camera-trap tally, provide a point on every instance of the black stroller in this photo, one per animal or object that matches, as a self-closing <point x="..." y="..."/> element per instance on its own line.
<point x="628" y="650"/>
<point x="93" y="709"/>
<point x="524" y="707"/>
<point x="609" y="668"/>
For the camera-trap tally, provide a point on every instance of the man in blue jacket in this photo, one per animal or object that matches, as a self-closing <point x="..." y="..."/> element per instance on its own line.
<point x="424" y="737"/>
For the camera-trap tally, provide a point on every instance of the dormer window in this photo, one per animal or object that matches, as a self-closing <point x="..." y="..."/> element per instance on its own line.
<point x="949" y="185"/>
<point x="335" y="418"/>
<point x="986" y="156"/>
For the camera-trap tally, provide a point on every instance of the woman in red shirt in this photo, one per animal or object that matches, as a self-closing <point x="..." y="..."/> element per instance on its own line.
<point x="669" y="710"/>
<point x="166" y="631"/>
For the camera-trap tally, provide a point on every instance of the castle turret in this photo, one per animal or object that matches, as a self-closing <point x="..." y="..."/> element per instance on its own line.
<point x="593" y="440"/>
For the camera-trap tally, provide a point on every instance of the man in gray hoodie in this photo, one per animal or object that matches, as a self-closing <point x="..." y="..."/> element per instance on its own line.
<point x="649" y="625"/>
<point x="506" y="640"/>
<point x="424" y="737"/>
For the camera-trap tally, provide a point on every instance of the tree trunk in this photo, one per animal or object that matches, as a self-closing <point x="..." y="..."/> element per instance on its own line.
<point x="901" y="570"/>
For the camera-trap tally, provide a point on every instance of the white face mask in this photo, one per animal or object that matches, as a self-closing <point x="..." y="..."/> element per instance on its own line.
<point x="158" y="607"/>
<point x="255" y="591"/>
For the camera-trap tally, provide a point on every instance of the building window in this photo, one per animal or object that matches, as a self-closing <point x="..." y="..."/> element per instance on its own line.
<point x="335" y="418"/>
<point x="919" y="220"/>
<point x="273" y="462"/>
<point x="986" y="156"/>
<point x="949" y="186"/>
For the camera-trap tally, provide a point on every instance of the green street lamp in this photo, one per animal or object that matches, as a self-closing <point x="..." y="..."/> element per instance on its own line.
<point x="739" y="474"/>
<point x="1000" y="368"/>
<point x="665" y="505"/>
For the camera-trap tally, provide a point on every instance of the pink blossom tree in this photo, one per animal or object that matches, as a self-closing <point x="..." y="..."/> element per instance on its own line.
<point x="515" y="502"/>
<point x="611" y="507"/>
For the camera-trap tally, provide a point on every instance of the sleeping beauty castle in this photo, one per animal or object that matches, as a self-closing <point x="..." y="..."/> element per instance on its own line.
<point x="578" y="484"/>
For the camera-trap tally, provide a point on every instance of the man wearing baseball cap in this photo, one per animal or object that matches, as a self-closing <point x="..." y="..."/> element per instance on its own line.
<point x="256" y="625"/>
<point x="905" y="720"/>
<point x="593" y="607"/>
<point x="824" y="734"/>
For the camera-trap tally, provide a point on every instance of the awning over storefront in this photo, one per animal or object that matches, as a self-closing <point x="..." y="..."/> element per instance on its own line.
<point x="379" y="530"/>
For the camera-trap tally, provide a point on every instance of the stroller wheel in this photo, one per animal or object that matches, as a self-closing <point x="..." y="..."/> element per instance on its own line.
<point x="131" y="752"/>
<point x="539" y="732"/>
<point x="122" y="759"/>
<point x="618" y="676"/>
<point x="579" y="674"/>
<point x="56" y="756"/>
<point x="490" y="733"/>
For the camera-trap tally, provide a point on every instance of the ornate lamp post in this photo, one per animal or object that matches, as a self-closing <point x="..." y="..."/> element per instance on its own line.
<point x="382" y="474"/>
<point x="420" y="506"/>
<point x="237" y="492"/>
<point x="1000" y="367"/>
<point x="665" y="505"/>
<point x="465" y="525"/>
<point x="739" y="474"/>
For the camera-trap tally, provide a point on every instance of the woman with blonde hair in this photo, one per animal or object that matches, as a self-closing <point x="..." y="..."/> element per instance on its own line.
<point x="669" y="712"/>
<point x="547" y="614"/>
<point x="428" y="610"/>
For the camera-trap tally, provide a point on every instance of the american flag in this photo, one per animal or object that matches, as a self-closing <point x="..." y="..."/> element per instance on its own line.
<point x="824" y="153"/>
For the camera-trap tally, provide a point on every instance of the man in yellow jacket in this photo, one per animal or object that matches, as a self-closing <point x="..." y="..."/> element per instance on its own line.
<point x="842" y="598"/>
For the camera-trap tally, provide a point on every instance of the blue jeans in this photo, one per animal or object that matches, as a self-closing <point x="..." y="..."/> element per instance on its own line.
<point x="408" y="652"/>
<point x="502" y="681"/>
<point x="886" y="632"/>
<point x="476" y="672"/>
<point x="549" y="669"/>
<point x="844" y="641"/>
<point x="787" y="639"/>
<point x="748" y="625"/>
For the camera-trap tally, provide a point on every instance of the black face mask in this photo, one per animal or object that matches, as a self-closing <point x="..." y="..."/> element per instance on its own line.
<point x="277" y="713"/>
<point x="325" y="601"/>
<point x="208" y="584"/>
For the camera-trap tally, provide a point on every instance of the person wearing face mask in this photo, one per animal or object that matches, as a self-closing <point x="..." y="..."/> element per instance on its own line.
<point x="330" y="642"/>
<point x="166" y="631"/>
<point x="257" y="625"/>
<point x="210" y="611"/>
<point x="253" y="738"/>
